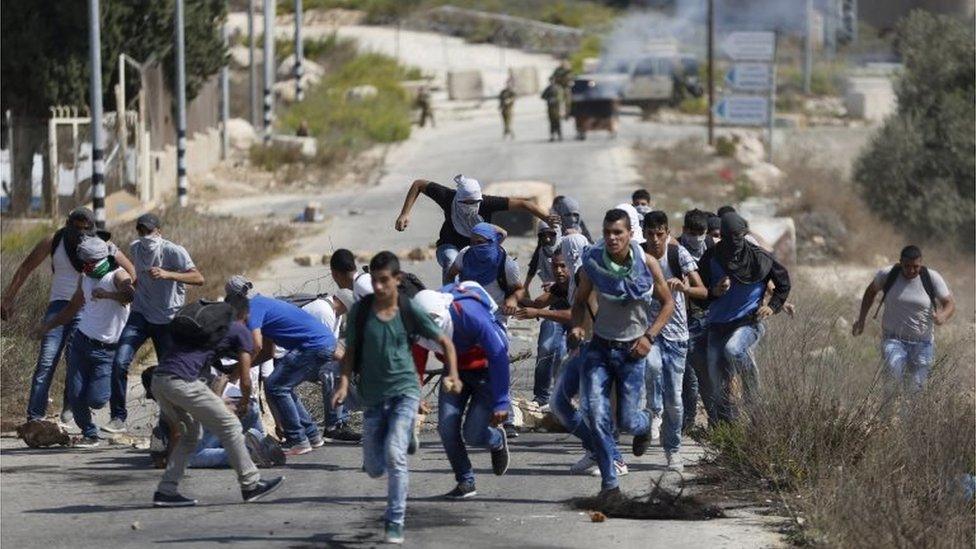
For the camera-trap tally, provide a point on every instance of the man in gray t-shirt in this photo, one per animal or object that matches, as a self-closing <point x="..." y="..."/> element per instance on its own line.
<point x="915" y="299"/>
<point x="163" y="269"/>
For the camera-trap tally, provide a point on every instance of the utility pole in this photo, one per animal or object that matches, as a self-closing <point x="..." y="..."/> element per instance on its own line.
<point x="269" y="68"/>
<point x="224" y="98"/>
<point x="181" y="189"/>
<point x="98" y="133"/>
<point x="711" y="71"/>
<point x="808" y="48"/>
<point x="299" y="52"/>
<point x="252" y="70"/>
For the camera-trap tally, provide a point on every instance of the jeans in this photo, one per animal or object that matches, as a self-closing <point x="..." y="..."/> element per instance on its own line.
<point x="913" y="358"/>
<point x="189" y="406"/>
<point x="549" y="354"/>
<point x="210" y="453"/>
<point x="476" y="396"/>
<point x="603" y="367"/>
<point x="297" y="366"/>
<point x="387" y="427"/>
<point x="566" y="388"/>
<point x="329" y="376"/>
<point x="730" y="351"/>
<point x="89" y="372"/>
<point x="667" y="358"/>
<point x="137" y="330"/>
<point x="446" y="254"/>
<point x="52" y="346"/>
<point x="696" y="373"/>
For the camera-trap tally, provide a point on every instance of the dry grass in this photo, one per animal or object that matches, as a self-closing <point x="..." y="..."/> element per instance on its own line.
<point x="220" y="247"/>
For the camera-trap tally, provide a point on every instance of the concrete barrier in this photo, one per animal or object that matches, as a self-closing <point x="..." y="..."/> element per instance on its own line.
<point x="519" y="223"/>
<point x="465" y="85"/>
<point x="525" y="80"/>
<point x="870" y="98"/>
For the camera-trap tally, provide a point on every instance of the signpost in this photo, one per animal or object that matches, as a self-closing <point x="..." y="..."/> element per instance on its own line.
<point x="750" y="46"/>
<point x="749" y="77"/>
<point x="751" y="81"/>
<point x="742" y="110"/>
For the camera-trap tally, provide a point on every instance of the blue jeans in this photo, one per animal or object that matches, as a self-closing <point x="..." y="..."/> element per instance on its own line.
<point x="476" y="397"/>
<point x="210" y="453"/>
<point x="446" y="254"/>
<point x="137" y="330"/>
<point x="386" y="434"/>
<point x="297" y="366"/>
<point x="603" y="367"/>
<point x="89" y="373"/>
<point x="329" y="376"/>
<point x="667" y="359"/>
<point x="565" y="390"/>
<point x="695" y="381"/>
<point x="730" y="351"/>
<point x="908" y="362"/>
<point x="52" y="345"/>
<point x="549" y="354"/>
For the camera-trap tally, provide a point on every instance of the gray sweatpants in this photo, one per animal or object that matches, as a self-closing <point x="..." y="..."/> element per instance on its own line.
<point x="188" y="405"/>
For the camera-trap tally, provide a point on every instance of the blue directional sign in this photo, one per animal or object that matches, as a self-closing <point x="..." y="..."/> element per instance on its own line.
<point x="742" y="110"/>
<point x="752" y="77"/>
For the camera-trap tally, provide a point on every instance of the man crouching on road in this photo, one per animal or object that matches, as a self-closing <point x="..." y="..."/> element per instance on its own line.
<point x="625" y="280"/>
<point x="379" y="331"/>
<point x="187" y="402"/>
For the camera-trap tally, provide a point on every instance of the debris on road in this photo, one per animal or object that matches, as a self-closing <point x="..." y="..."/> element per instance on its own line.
<point x="596" y="516"/>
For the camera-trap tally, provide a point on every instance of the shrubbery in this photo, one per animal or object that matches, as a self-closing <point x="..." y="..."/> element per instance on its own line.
<point x="919" y="171"/>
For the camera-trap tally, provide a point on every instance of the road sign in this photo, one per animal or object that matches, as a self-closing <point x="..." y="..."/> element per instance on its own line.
<point x="750" y="46"/>
<point x="753" y="77"/>
<point x="743" y="110"/>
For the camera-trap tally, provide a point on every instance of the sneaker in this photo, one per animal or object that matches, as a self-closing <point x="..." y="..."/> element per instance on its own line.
<point x="609" y="495"/>
<point x="585" y="466"/>
<point x="175" y="500"/>
<point x="255" y="448"/>
<point x="499" y="457"/>
<point x="463" y="490"/>
<point x="393" y="532"/>
<point x="413" y="444"/>
<point x="261" y="489"/>
<point x="67" y="417"/>
<point x="86" y="442"/>
<point x="343" y="433"/>
<point x="675" y="462"/>
<point x="619" y="466"/>
<point x="115" y="426"/>
<point x="273" y="450"/>
<point x="656" y="421"/>
<point x="316" y="442"/>
<point x="641" y="444"/>
<point x="510" y="431"/>
<point x="297" y="448"/>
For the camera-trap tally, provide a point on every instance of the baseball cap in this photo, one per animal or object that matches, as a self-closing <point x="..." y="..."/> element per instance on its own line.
<point x="148" y="221"/>
<point x="238" y="285"/>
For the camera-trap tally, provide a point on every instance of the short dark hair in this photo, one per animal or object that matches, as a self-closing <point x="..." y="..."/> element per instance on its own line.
<point x="696" y="220"/>
<point x="640" y="194"/>
<point x="655" y="220"/>
<point x="725" y="209"/>
<point x="911" y="252"/>
<point x="385" y="261"/>
<point x="714" y="222"/>
<point x="615" y="215"/>
<point x="342" y="261"/>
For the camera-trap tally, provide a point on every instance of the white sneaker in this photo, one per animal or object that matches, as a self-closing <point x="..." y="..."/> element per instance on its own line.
<point x="67" y="417"/>
<point x="656" y="422"/>
<point x="619" y="466"/>
<point x="585" y="466"/>
<point x="675" y="462"/>
<point x="115" y="426"/>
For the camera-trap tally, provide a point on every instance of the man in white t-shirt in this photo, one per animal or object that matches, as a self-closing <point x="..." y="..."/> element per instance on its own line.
<point x="915" y="299"/>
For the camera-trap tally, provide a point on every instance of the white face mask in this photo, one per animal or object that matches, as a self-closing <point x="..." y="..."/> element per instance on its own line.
<point x="643" y="210"/>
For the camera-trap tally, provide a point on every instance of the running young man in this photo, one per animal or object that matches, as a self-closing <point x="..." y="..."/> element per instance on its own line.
<point x="463" y="209"/>
<point x="486" y="262"/>
<point x="736" y="273"/>
<point x="625" y="280"/>
<point x="694" y="237"/>
<point x="465" y="311"/>
<point x="389" y="389"/>
<point x="163" y="269"/>
<point x="103" y="296"/>
<point x="552" y="307"/>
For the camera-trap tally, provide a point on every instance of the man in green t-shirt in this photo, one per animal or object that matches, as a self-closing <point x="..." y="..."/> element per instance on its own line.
<point x="378" y="351"/>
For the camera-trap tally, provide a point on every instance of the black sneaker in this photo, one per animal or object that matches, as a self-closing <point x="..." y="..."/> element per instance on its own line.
<point x="463" y="490"/>
<point x="499" y="457"/>
<point x="610" y="495"/>
<point x="263" y="488"/>
<point x="641" y="444"/>
<point x="175" y="500"/>
<point x="343" y="433"/>
<point x="510" y="431"/>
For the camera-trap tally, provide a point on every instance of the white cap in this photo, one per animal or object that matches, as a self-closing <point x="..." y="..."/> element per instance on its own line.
<point x="362" y="286"/>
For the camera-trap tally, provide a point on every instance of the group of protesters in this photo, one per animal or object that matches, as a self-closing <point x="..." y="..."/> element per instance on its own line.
<point x="638" y="323"/>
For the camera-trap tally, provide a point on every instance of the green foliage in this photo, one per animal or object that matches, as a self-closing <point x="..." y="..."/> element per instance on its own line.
<point x="46" y="47"/>
<point x="590" y="47"/>
<point x="694" y="105"/>
<point x="315" y="49"/>
<point x="725" y="146"/>
<point x="919" y="170"/>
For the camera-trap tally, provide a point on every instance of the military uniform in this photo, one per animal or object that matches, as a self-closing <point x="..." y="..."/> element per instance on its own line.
<point x="426" y="111"/>
<point x="563" y="77"/>
<point x="506" y="102"/>
<point x="552" y="96"/>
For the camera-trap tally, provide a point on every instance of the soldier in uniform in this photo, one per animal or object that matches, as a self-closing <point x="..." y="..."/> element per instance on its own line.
<point x="563" y="77"/>
<point x="506" y="102"/>
<point x="552" y="95"/>
<point x="423" y="103"/>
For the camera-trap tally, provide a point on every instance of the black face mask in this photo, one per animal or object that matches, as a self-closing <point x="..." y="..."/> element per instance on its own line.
<point x="72" y="236"/>
<point x="741" y="259"/>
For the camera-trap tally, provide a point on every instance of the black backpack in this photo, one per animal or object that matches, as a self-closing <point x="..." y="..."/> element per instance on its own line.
<point x="501" y="277"/>
<point x="202" y="324"/>
<point x="893" y="274"/>
<point x="365" y="306"/>
<point x="410" y="285"/>
<point x="674" y="263"/>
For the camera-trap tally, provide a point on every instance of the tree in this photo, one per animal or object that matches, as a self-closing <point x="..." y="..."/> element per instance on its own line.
<point x="919" y="171"/>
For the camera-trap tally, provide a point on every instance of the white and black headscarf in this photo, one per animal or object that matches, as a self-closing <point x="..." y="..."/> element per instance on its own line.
<point x="466" y="216"/>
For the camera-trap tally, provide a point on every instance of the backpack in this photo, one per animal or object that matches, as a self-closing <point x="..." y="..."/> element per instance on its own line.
<point x="410" y="323"/>
<point x="202" y="323"/>
<point x="893" y="276"/>
<point x="410" y="284"/>
<point x="500" y="276"/>
<point x="470" y="289"/>
<point x="674" y="262"/>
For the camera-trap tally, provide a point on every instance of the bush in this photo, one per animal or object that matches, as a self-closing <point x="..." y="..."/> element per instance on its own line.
<point x="589" y="47"/>
<point x="919" y="171"/>
<point x="694" y="105"/>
